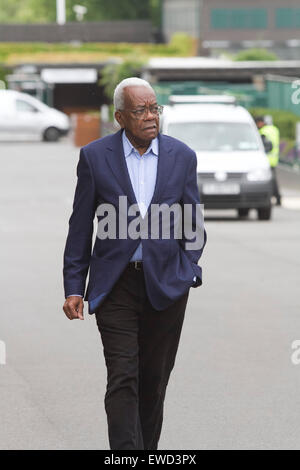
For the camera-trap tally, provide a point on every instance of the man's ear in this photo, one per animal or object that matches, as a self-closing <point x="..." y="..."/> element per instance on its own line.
<point x="119" y="119"/>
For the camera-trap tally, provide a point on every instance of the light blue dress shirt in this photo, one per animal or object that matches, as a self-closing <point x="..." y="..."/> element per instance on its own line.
<point x="142" y="170"/>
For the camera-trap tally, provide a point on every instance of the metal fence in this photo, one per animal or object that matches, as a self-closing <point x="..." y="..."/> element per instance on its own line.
<point x="246" y="94"/>
<point x="283" y="93"/>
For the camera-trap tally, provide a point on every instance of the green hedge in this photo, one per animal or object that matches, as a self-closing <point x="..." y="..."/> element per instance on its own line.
<point x="255" y="54"/>
<point x="180" y="44"/>
<point x="284" y="120"/>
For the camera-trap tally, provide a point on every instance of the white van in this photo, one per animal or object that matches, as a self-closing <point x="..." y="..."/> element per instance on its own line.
<point x="232" y="166"/>
<point x="24" y="117"/>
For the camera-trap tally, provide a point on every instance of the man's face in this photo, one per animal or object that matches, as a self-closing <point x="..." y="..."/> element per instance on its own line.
<point x="146" y="128"/>
<point x="260" y="124"/>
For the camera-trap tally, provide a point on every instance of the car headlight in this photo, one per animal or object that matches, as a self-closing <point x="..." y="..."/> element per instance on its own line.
<point x="262" y="174"/>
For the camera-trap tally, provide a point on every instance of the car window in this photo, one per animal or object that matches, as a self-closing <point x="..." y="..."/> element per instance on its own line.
<point x="24" y="106"/>
<point x="216" y="136"/>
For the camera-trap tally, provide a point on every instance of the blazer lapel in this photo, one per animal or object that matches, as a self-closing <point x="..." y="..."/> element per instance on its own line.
<point x="116" y="160"/>
<point x="165" y="166"/>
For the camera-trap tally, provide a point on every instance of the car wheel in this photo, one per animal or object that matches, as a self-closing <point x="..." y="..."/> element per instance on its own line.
<point x="243" y="212"/>
<point x="264" y="213"/>
<point x="51" y="134"/>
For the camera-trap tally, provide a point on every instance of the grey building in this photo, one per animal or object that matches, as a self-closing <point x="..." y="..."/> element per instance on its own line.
<point x="232" y="25"/>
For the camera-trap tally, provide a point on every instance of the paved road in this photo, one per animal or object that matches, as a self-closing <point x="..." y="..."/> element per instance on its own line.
<point x="234" y="385"/>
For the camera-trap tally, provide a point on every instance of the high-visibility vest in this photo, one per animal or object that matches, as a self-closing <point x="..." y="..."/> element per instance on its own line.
<point x="272" y="134"/>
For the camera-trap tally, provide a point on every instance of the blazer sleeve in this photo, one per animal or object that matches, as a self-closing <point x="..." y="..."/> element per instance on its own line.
<point x="78" y="246"/>
<point x="195" y="217"/>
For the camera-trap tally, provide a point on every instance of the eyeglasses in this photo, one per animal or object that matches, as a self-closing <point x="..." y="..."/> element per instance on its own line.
<point x="140" y="113"/>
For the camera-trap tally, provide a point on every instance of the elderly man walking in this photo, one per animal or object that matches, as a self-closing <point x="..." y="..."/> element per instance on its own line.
<point x="138" y="286"/>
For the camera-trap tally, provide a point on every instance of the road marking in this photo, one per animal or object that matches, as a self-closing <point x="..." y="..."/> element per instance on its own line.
<point x="291" y="203"/>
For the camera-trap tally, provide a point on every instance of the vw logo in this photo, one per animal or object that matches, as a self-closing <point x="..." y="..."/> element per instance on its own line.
<point x="220" y="176"/>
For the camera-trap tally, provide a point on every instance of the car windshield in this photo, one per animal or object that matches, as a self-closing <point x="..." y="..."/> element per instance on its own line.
<point x="215" y="136"/>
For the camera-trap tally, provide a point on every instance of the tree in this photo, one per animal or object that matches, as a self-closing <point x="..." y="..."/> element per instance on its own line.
<point x="112" y="74"/>
<point x="116" y="9"/>
<point x="27" y="11"/>
<point x="44" y="11"/>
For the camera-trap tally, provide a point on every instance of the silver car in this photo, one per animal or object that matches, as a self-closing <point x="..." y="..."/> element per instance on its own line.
<point x="25" y="117"/>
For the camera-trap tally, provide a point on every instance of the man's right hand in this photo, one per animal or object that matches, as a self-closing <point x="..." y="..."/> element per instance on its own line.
<point x="73" y="307"/>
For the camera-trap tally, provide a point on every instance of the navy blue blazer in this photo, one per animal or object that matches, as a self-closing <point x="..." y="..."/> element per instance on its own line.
<point x="102" y="173"/>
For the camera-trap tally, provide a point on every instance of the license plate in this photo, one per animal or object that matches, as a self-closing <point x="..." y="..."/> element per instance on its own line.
<point x="221" y="188"/>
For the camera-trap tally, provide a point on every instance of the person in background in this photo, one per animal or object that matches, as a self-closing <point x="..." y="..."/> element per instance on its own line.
<point x="271" y="133"/>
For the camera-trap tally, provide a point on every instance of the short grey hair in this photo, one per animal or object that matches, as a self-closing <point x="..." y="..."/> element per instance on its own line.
<point x="127" y="82"/>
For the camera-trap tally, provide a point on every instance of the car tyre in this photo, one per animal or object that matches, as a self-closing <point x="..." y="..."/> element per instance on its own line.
<point x="264" y="213"/>
<point x="51" y="134"/>
<point x="243" y="212"/>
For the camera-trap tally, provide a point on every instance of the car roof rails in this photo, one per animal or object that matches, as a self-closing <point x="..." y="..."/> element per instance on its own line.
<point x="202" y="99"/>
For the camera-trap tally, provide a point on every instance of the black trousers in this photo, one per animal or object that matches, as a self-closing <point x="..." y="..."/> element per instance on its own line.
<point x="140" y="346"/>
<point x="275" y="186"/>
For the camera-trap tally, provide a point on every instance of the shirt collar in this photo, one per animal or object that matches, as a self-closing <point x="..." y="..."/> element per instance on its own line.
<point x="128" y="147"/>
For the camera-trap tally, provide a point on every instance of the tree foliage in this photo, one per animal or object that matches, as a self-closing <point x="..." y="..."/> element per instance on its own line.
<point x="112" y="74"/>
<point x="43" y="11"/>
<point x="255" y="54"/>
<point x="27" y="11"/>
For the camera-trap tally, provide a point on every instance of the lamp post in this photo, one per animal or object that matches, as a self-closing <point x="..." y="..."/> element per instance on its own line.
<point x="61" y="11"/>
<point x="80" y="11"/>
